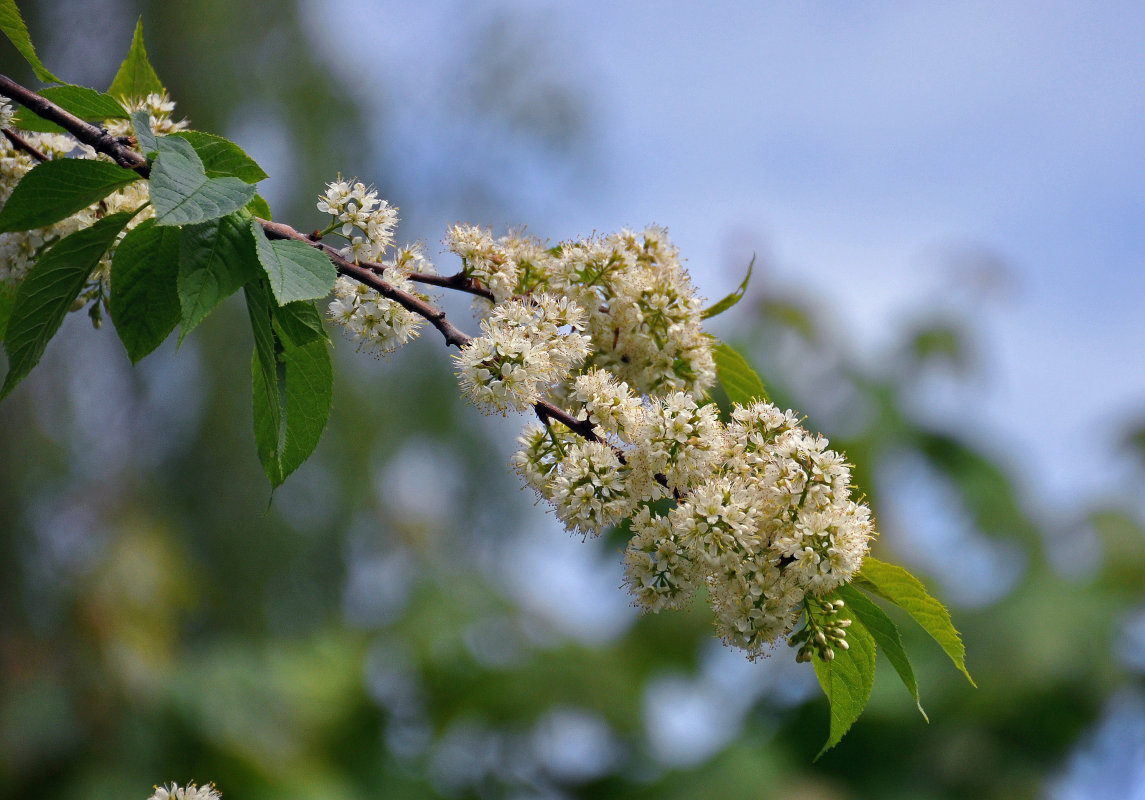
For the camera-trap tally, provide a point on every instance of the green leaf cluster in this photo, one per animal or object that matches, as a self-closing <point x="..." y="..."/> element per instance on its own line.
<point x="202" y="246"/>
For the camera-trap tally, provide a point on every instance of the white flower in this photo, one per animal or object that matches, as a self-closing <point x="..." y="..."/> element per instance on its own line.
<point x="374" y="323"/>
<point x="588" y="490"/>
<point x="7" y="112"/>
<point x="189" y="792"/>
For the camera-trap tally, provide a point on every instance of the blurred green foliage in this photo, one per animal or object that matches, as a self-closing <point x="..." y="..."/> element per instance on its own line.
<point x="357" y="637"/>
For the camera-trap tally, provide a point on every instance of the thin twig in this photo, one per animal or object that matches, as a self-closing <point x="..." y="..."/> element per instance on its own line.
<point x="20" y="143"/>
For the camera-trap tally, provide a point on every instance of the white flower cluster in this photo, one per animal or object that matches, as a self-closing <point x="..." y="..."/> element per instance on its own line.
<point x="642" y="313"/>
<point x="755" y="510"/>
<point x="771" y="523"/>
<point x="367" y="221"/>
<point x="527" y="347"/>
<point x="374" y="323"/>
<point x="159" y="109"/>
<point x="758" y="511"/>
<point x="20" y="250"/>
<point x="189" y="792"/>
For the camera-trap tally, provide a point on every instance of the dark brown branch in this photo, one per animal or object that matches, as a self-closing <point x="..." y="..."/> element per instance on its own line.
<point x="364" y="274"/>
<point x="547" y="411"/>
<point x="85" y="132"/>
<point x="458" y="281"/>
<point x="20" y="143"/>
<point x="367" y="274"/>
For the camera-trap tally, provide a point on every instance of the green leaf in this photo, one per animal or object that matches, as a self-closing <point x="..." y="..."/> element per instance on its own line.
<point x="144" y="298"/>
<point x="292" y="382"/>
<point x="259" y="207"/>
<point x="181" y="191"/>
<point x="222" y="157"/>
<point x="736" y="376"/>
<point x="732" y="298"/>
<point x="266" y="402"/>
<point x="7" y="301"/>
<point x="297" y="271"/>
<point x="215" y="259"/>
<point x="309" y="395"/>
<point x="85" y="103"/>
<point x="886" y="635"/>
<point x="48" y="291"/>
<point x="136" y="78"/>
<point x="299" y="323"/>
<point x="57" y="189"/>
<point x="17" y="32"/>
<point x="148" y="141"/>
<point x="895" y="584"/>
<point x="847" y="679"/>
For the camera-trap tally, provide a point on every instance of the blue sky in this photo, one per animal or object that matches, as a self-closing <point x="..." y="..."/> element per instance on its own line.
<point x="860" y="148"/>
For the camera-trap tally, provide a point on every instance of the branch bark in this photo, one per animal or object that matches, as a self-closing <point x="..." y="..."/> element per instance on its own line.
<point x="85" y="132"/>
<point x="368" y="273"/>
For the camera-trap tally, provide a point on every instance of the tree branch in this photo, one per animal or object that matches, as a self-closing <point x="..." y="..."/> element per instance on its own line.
<point x="368" y="273"/>
<point x="458" y="281"/>
<point x="85" y="132"/>
<point x="20" y="143"/>
<point x="365" y="274"/>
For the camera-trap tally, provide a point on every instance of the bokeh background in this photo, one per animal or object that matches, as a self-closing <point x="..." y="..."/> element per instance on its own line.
<point x="944" y="202"/>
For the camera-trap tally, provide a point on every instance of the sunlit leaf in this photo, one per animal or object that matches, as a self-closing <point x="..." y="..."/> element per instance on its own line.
<point x="895" y="584"/>
<point x="886" y="635"/>
<point x="739" y="380"/>
<point x="847" y="678"/>
<point x="136" y="77"/>
<point x="732" y="298"/>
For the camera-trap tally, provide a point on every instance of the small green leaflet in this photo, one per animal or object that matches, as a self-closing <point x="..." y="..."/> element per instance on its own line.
<point x="215" y="259"/>
<point x="847" y="679"/>
<point x="739" y="380"/>
<point x="895" y="584"/>
<point x="181" y="191"/>
<point x="87" y="104"/>
<point x="141" y="125"/>
<point x="144" y="298"/>
<point x="136" y="78"/>
<point x="48" y="291"/>
<point x="297" y="271"/>
<point x="732" y="298"/>
<point x="886" y="635"/>
<point x="222" y="157"/>
<point x="292" y="381"/>
<point x="259" y="207"/>
<point x="57" y="189"/>
<point x="17" y="32"/>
